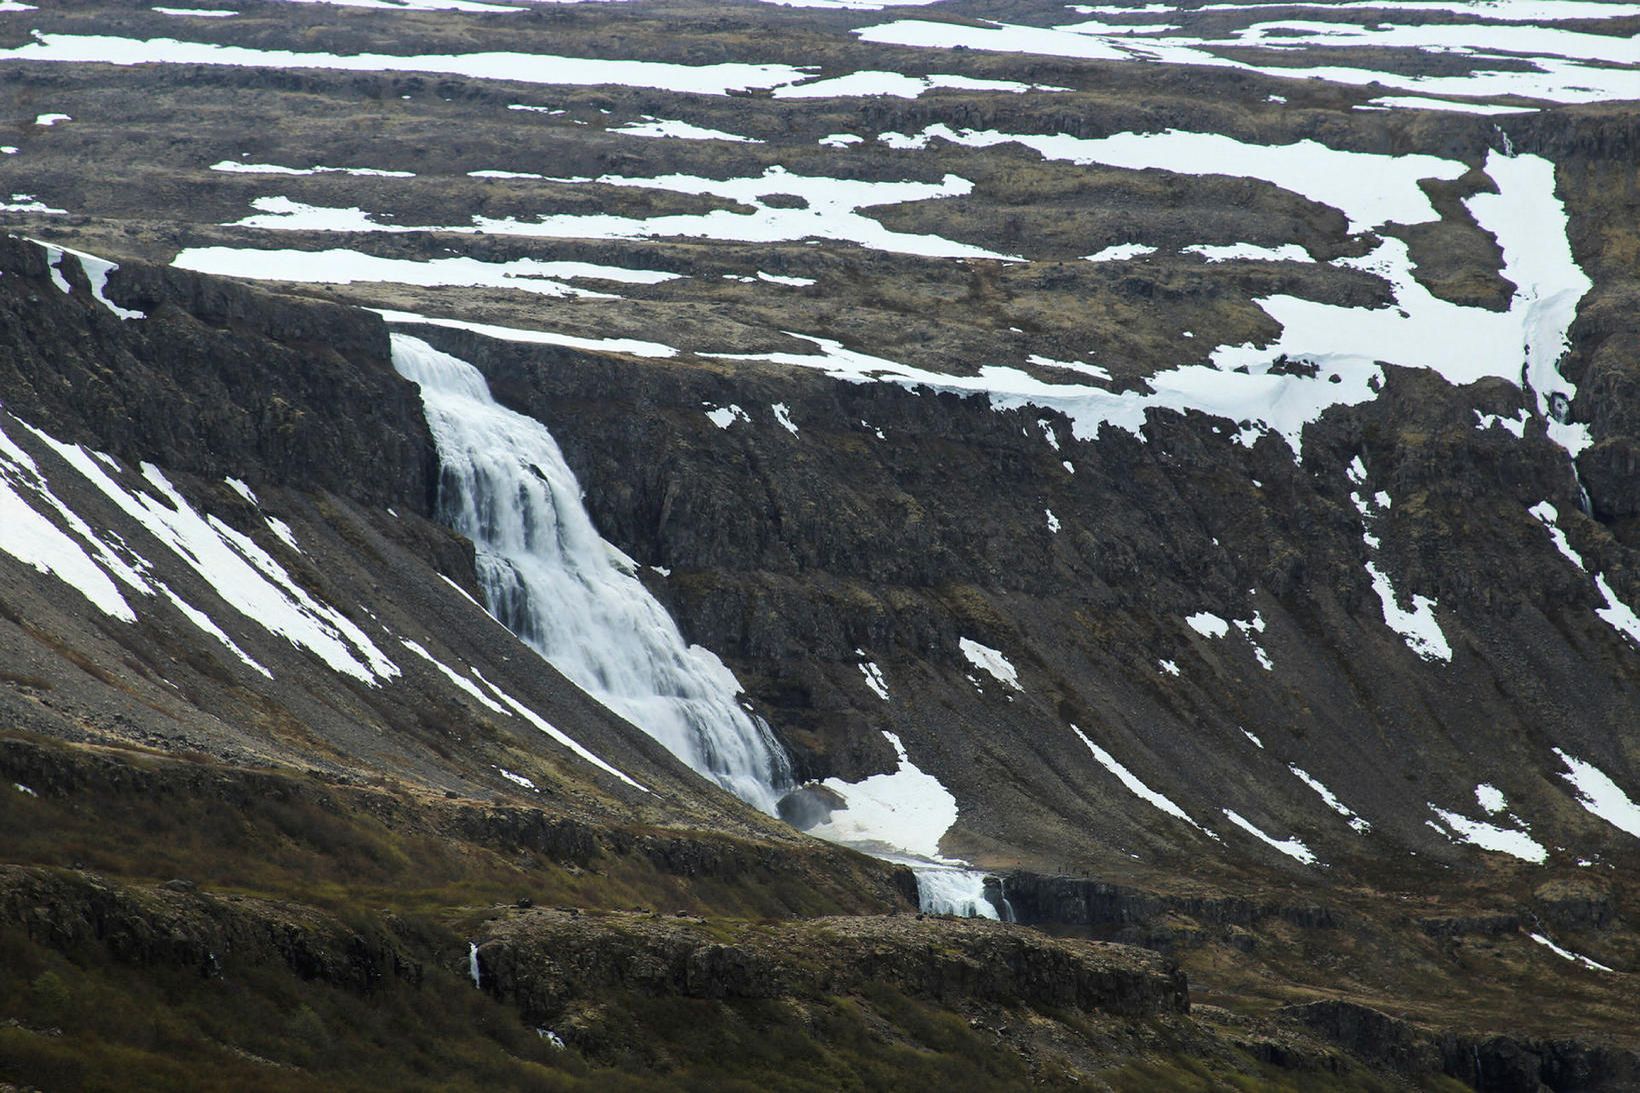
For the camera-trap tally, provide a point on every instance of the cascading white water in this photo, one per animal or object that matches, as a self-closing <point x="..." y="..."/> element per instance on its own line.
<point x="945" y="890"/>
<point x="551" y="579"/>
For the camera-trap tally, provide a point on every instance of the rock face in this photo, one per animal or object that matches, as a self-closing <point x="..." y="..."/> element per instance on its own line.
<point x="543" y="960"/>
<point x="218" y="379"/>
<point x="175" y="927"/>
<point x="1499" y="1064"/>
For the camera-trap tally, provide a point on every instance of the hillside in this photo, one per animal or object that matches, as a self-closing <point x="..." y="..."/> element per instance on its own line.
<point x="1162" y="476"/>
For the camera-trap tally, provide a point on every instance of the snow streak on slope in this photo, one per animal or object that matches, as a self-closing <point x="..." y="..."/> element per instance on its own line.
<point x="1293" y="848"/>
<point x="345" y="267"/>
<point x="830" y="210"/>
<point x="512" y="705"/>
<point x="1534" y="62"/>
<point x="34" y="540"/>
<point x="1597" y="793"/>
<point x="550" y="578"/>
<point x="1135" y="786"/>
<point x="1615" y="613"/>
<point x="241" y="573"/>
<point x="538" y="68"/>
<point x="1516" y="843"/>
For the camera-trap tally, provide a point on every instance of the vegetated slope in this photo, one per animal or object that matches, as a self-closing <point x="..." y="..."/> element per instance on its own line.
<point x="1274" y="555"/>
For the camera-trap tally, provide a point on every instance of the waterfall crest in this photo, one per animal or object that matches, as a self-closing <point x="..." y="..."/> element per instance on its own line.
<point x="548" y="576"/>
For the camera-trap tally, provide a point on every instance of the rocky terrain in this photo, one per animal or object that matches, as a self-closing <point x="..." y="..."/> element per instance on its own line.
<point x="1161" y="475"/>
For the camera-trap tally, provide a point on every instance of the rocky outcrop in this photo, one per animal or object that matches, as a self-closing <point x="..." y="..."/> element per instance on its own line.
<point x="1137" y="916"/>
<point x="175" y="925"/>
<point x="1491" y="1064"/>
<point x="542" y="960"/>
<point x="218" y="379"/>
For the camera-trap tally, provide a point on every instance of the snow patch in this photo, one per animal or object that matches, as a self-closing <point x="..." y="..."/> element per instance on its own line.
<point x="1135" y="786"/>
<point x="874" y="676"/>
<point x="1208" y="625"/>
<point x="1598" y="794"/>
<point x="1502" y="840"/>
<point x="1565" y="954"/>
<point x="907" y="811"/>
<point x="725" y="416"/>
<point x="1293" y="848"/>
<point x="1357" y="824"/>
<point x="535" y="68"/>
<point x="991" y="661"/>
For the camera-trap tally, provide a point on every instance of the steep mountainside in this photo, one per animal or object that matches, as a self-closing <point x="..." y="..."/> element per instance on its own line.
<point x="1155" y="474"/>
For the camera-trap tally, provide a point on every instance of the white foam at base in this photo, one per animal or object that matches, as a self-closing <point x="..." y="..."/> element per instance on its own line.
<point x="951" y="890"/>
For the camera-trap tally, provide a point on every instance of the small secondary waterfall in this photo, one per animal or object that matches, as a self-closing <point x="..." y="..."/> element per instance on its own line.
<point x="943" y="890"/>
<point x="551" y="579"/>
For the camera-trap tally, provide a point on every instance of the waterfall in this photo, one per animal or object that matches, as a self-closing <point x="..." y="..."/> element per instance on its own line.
<point x="472" y="965"/>
<point x="550" y="578"/>
<point x="947" y="890"/>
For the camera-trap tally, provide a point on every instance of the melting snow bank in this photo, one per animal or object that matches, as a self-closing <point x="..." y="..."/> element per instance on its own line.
<point x="96" y="275"/>
<point x="990" y="661"/>
<point x="899" y="817"/>
<point x="830" y="210"/>
<point x="630" y="346"/>
<point x="903" y="813"/>
<point x="1537" y="62"/>
<point x="1418" y="330"/>
<point x="550" y="579"/>
<point x="346" y="267"/>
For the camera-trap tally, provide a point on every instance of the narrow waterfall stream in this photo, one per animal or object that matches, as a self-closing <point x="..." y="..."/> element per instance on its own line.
<point x="550" y="578"/>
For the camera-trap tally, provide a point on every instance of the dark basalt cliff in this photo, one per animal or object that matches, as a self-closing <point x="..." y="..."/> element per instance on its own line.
<point x="219" y="379"/>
